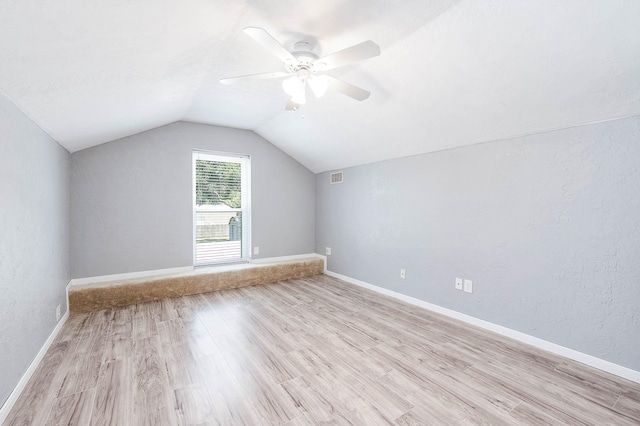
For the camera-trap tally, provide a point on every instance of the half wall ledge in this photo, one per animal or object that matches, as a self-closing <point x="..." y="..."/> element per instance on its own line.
<point x="103" y="295"/>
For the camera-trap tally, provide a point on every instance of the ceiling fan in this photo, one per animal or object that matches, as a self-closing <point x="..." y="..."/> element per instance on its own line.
<point x="304" y="68"/>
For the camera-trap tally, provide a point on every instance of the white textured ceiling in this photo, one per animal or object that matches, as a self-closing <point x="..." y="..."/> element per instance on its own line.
<point x="451" y="73"/>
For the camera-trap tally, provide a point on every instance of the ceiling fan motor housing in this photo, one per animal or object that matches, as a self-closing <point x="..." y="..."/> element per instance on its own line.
<point x="305" y="60"/>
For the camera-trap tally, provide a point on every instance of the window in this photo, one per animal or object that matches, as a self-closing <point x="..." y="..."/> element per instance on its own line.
<point x="220" y="208"/>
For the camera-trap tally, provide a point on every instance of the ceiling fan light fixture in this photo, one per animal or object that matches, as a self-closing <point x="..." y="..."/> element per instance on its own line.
<point x="300" y="97"/>
<point x="292" y="85"/>
<point x="319" y="85"/>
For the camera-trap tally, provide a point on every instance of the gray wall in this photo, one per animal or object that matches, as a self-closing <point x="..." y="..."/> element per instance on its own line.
<point x="546" y="226"/>
<point x="132" y="199"/>
<point x="34" y="240"/>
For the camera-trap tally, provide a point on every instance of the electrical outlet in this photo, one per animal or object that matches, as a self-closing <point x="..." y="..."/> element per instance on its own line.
<point x="256" y="250"/>
<point x="468" y="286"/>
<point x="328" y="251"/>
<point x="458" y="283"/>
<point x="58" y="309"/>
<point x="403" y="274"/>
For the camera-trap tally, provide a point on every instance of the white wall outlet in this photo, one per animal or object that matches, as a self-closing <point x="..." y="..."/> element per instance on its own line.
<point x="58" y="310"/>
<point x="328" y="251"/>
<point x="468" y="286"/>
<point x="458" y="283"/>
<point x="256" y="250"/>
<point x="403" y="274"/>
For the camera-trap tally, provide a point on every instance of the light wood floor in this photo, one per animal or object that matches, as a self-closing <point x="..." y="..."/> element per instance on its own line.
<point x="307" y="351"/>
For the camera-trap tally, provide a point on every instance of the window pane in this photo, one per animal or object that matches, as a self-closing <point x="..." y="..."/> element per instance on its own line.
<point x="218" y="236"/>
<point x="218" y="184"/>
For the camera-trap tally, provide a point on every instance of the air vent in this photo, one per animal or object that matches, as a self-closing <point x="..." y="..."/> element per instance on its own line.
<point x="335" y="177"/>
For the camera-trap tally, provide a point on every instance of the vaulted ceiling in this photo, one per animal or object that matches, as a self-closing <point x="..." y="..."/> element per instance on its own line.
<point x="451" y="73"/>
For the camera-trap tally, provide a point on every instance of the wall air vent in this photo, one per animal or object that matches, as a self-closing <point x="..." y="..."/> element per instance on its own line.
<point x="335" y="177"/>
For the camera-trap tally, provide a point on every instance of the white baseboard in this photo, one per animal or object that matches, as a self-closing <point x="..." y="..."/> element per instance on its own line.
<point x="589" y="360"/>
<point x="10" y="402"/>
<point x="287" y="258"/>
<point x="129" y="275"/>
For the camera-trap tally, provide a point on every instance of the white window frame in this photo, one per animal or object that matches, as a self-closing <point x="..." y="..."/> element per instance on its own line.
<point x="245" y="203"/>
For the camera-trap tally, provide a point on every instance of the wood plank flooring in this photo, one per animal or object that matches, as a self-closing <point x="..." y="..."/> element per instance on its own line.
<point x="307" y="351"/>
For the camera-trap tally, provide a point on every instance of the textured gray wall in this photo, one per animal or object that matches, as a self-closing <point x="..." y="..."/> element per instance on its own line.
<point x="546" y="226"/>
<point x="34" y="240"/>
<point x="132" y="199"/>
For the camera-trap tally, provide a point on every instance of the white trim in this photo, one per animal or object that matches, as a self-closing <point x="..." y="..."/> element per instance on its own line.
<point x="589" y="360"/>
<point x="66" y="291"/>
<point x="15" y="394"/>
<point x="288" y="258"/>
<point x="229" y="157"/>
<point x="129" y="275"/>
<point x="325" y="262"/>
<point x="193" y="204"/>
<point x="245" y="208"/>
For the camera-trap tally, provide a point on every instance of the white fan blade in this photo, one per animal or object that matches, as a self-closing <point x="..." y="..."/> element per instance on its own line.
<point x="364" y="50"/>
<point x="318" y="84"/>
<point x="276" y="74"/>
<point x="266" y="40"/>
<point x="348" y="89"/>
